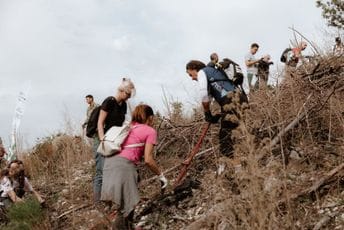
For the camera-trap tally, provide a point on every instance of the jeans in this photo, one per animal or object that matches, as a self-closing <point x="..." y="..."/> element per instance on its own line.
<point x="98" y="177"/>
<point x="250" y="79"/>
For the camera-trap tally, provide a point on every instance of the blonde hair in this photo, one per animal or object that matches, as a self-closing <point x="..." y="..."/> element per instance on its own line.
<point x="127" y="86"/>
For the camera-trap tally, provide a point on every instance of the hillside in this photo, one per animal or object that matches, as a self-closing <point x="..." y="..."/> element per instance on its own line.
<point x="287" y="171"/>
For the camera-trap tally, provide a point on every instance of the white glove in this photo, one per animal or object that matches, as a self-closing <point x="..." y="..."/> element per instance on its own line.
<point x="163" y="181"/>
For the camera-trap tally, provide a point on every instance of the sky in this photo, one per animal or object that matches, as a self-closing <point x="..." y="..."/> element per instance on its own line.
<point x="66" y="49"/>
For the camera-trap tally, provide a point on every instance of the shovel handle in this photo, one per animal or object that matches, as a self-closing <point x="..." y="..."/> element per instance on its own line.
<point x="193" y="152"/>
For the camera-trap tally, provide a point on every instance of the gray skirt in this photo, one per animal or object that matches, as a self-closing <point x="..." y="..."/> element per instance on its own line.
<point x="120" y="183"/>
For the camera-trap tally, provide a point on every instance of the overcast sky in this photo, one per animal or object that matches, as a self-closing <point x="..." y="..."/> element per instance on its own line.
<point x="70" y="48"/>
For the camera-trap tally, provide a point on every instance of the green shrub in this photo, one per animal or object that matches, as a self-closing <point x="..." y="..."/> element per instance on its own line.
<point x="17" y="226"/>
<point x="24" y="215"/>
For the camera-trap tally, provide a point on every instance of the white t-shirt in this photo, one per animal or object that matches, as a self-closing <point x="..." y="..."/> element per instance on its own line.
<point x="253" y="68"/>
<point x="203" y="87"/>
<point x="5" y="186"/>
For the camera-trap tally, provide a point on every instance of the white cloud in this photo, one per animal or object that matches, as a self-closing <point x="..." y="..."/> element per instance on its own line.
<point x="72" y="48"/>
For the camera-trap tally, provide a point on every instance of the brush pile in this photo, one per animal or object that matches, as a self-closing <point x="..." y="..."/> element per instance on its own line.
<point x="287" y="171"/>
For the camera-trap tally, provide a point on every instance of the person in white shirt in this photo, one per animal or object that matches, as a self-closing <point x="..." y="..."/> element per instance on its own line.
<point x="251" y="63"/>
<point x="20" y="182"/>
<point x="7" y="194"/>
<point x="214" y="84"/>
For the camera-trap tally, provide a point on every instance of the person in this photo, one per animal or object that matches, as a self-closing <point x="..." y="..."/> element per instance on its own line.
<point x="251" y="63"/>
<point x="263" y="71"/>
<point x="120" y="185"/>
<point x="295" y="54"/>
<point x="112" y="113"/>
<point x="21" y="184"/>
<point x="7" y="194"/>
<point x="225" y="93"/>
<point x="214" y="59"/>
<point x="91" y="106"/>
<point x="338" y="48"/>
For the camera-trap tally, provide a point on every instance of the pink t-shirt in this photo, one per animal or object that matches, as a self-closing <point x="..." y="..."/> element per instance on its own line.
<point x="140" y="133"/>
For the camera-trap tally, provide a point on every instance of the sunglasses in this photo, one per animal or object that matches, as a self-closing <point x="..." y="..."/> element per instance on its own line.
<point x="128" y="94"/>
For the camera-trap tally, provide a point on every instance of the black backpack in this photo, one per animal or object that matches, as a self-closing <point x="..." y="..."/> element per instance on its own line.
<point x="91" y="128"/>
<point x="20" y="189"/>
<point x="234" y="74"/>
<point x="284" y="55"/>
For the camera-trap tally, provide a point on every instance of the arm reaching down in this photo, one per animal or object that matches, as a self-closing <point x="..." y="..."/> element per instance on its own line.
<point x="152" y="165"/>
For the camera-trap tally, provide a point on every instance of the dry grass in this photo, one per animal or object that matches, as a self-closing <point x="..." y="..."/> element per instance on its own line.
<point x="262" y="187"/>
<point x="258" y="189"/>
<point x="268" y="175"/>
<point x="52" y="165"/>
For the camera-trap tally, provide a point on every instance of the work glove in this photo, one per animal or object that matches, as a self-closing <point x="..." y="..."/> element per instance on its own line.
<point x="163" y="181"/>
<point x="210" y="118"/>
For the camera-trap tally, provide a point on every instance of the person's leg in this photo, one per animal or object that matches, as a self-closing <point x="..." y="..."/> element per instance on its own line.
<point x="263" y="79"/>
<point x="229" y="121"/>
<point x="249" y="79"/>
<point x="266" y="79"/>
<point x="119" y="223"/>
<point x="98" y="178"/>
<point x="123" y="223"/>
<point x="225" y="138"/>
<point x="129" y="220"/>
<point x="257" y="84"/>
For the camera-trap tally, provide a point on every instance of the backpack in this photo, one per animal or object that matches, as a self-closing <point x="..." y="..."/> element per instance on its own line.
<point x="114" y="138"/>
<point x="91" y="128"/>
<point x="218" y="83"/>
<point x="20" y="188"/>
<point x="285" y="55"/>
<point x="232" y="70"/>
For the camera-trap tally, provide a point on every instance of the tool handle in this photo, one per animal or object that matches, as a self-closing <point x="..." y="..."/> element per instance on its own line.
<point x="193" y="152"/>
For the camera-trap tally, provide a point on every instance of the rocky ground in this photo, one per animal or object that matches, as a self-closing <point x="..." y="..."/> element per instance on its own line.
<point x="202" y="204"/>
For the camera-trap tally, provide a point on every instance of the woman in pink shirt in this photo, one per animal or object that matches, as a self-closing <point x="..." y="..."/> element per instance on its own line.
<point x="120" y="178"/>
